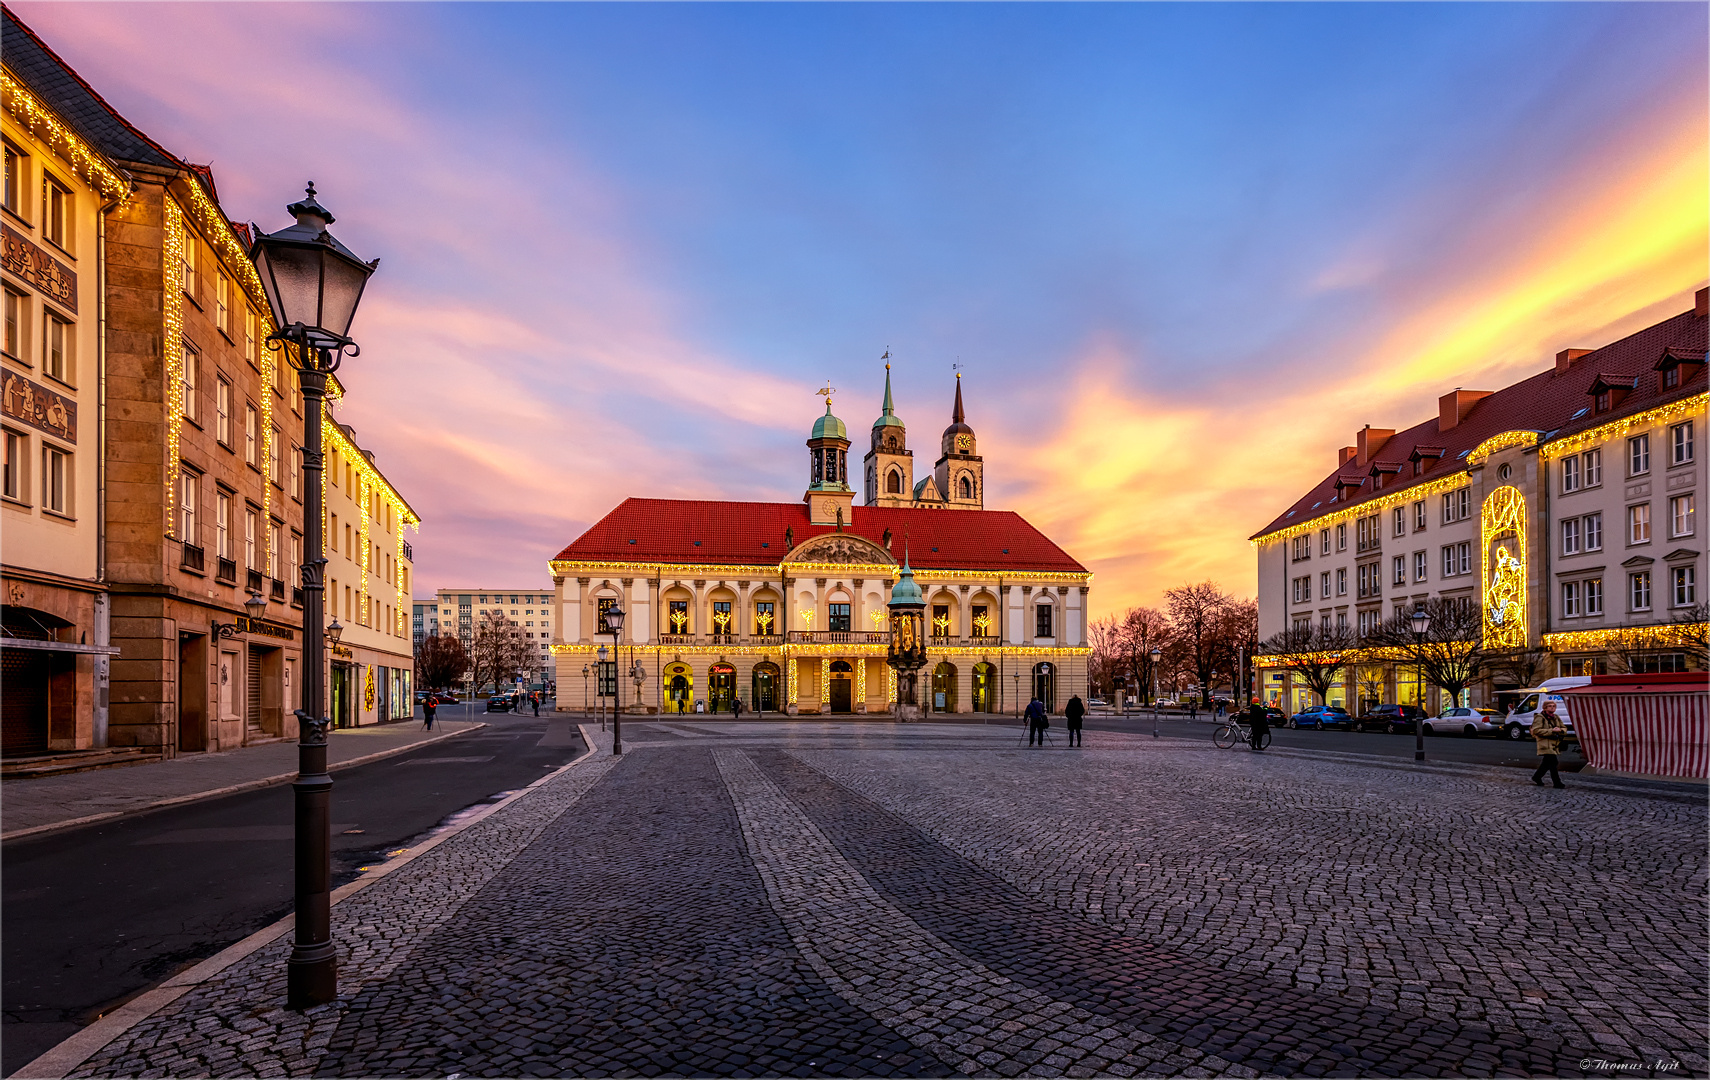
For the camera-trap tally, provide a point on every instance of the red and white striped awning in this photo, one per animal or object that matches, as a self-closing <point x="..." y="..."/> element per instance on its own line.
<point x="1658" y="725"/>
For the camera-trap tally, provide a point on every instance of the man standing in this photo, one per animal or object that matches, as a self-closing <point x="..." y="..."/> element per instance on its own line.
<point x="430" y="704"/>
<point x="1036" y="722"/>
<point x="1072" y="713"/>
<point x="1547" y="732"/>
<point x="1259" y="724"/>
<point x="534" y="698"/>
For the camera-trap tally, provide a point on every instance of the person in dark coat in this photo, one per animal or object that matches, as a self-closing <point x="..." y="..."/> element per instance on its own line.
<point x="1036" y="722"/>
<point x="535" y="700"/>
<point x="430" y="705"/>
<point x="1072" y="713"/>
<point x="1260" y="724"/>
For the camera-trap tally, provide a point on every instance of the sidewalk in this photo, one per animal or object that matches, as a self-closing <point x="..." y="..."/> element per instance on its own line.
<point x="28" y="807"/>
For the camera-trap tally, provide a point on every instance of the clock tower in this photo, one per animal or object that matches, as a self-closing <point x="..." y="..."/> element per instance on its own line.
<point x="960" y="472"/>
<point x="830" y="500"/>
<point x="889" y="465"/>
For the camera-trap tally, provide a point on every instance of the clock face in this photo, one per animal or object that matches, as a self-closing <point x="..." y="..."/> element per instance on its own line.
<point x="964" y="443"/>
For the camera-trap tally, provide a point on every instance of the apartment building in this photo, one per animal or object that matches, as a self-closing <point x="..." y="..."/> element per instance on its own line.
<point x="1564" y="507"/>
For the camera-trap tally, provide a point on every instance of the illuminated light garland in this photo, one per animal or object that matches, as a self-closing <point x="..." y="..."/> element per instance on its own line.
<point x="1614" y="429"/>
<point x="878" y="620"/>
<point x="824" y="679"/>
<point x="1665" y="635"/>
<point x="794" y="686"/>
<point x="1480" y="453"/>
<point x="807" y="619"/>
<point x="1409" y="494"/>
<point x="890" y="685"/>
<point x="172" y="349"/>
<point x="364" y="547"/>
<point x="1504" y="512"/>
<point x="593" y="568"/>
<point x="85" y="160"/>
<point x="861" y="680"/>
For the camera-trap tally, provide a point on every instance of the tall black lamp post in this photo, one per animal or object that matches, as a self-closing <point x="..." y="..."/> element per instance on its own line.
<point x="313" y="283"/>
<point x="1157" y="654"/>
<point x="614" y="627"/>
<point x="1421" y="620"/>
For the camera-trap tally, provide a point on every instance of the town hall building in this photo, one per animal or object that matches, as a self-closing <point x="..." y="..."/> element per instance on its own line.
<point x="782" y="606"/>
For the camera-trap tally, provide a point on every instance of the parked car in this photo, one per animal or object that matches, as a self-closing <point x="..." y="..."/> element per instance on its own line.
<point x="1468" y="720"/>
<point x="501" y="702"/>
<point x="1518" y="724"/>
<point x="1095" y="701"/>
<point x="1392" y="718"/>
<point x="1321" y="716"/>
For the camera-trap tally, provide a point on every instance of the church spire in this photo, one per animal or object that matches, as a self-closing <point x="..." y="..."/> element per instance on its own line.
<point x="889" y="409"/>
<point x="956" y="417"/>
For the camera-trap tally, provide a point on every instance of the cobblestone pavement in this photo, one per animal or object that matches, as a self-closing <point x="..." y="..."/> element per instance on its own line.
<point x="818" y="899"/>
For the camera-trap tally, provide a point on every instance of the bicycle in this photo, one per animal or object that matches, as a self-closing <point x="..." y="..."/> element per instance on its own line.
<point x="1231" y="732"/>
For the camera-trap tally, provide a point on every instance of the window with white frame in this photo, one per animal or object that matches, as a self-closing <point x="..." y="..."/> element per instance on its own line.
<point x="57" y="216"/>
<point x="57" y="340"/>
<point x="1571" y="600"/>
<point x="56" y="480"/>
<point x="296" y="559"/>
<point x="275" y="462"/>
<point x="1570" y="536"/>
<point x="1324" y="623"/>
<point x="1302" y="548"/>
<point x="189" y="258"/>
<point x="1324" y="585"/>
<point x="297" y="472"/>
<point x="17" y="164"/>
<point x="1457" y="559"/>
<point x="222" y="410"/>
<point x="1639" y="524"/>
<point x="17" y="324"/>
<point x="1639" y="590"/>
<point x="252" y="336"/>
<point x="274" y="531"/>
<point x="1570" y="473"/>
<point x="1342" y="581"/>
<point x="222" y="525"/>
<point x="1300" y="589"/>
<point x="1419" y="516"/>
<point x="1591" y="532"/>
<point x="1400" y="520"/>
<point x="223" y="302"/>
<point x="189" y="483"/>
<point x="1368" y="621"/>
<point x="1342" y="537"/>
<point x="1421" y="566"/>
<point x="1398" y="570"/>
<point x="1638" y="455"/>
<point x="1042" y="621"/>
<point x="1324" y="541"/>
<point x="251" y="434"/>
<point x="1342" y="621"/>
<point x="1684" y="585"/>
<point x="1680" y="443"/>
<point x="1457" y="505"/>
<point x="12" y="483"/>
<point x="192" y="360"/>
<point x="249" y="538"/>
<point x="1594" y="596"/>
<point x="1683" y="514"/>
<point x="1593" y="467"/>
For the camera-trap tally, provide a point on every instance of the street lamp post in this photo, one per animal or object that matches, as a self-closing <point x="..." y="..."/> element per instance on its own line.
<point x="600" y="672"/>
<point x="614" y="626"/>
<point x="584" y="689"/>
<point x="1016" y="675"/>
<point x="1421" y="620"/>
<point x="313" y="284"/>
<point x="1157" y="654"/>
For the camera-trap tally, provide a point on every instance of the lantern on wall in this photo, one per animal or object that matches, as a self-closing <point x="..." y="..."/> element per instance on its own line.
<point x="907" y="652"/>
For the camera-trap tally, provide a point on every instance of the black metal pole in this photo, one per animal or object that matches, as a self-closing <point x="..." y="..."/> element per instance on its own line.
<point x="1419" y="698"/>
<point x="617" y="724"/>
<point x="312" y="970"/>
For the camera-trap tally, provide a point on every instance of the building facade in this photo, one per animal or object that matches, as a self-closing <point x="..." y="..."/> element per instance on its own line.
<point x="370" y="564"/>
<point x="59" y="190"/>
<point x="782" y="606"/>
<point x="1563" y="507"/>
<point x="460" y="611"/>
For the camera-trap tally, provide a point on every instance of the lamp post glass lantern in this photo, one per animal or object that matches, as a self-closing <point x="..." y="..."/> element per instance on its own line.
<point x="313" y="284"/>
<point x="614" y="626"/>
<point x="1421" y="620"/>
<point x="1157" y="654"/>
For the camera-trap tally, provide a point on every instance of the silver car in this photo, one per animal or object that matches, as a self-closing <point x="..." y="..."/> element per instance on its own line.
<point x="1469" y="721"/>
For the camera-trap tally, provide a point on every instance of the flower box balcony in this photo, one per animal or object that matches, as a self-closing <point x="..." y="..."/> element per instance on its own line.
<point x="276" y="589"/>
<point x="226" y="570"/>
<point x="192" y="558"/>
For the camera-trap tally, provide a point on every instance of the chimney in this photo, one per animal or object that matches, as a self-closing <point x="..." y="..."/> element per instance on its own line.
<point x="1369" y="441"/>
<point x="1701" y="303"/>
<point x="1453" y="408"/>
<point x="1566" y="357"/>
<point x="1345" y="455"/>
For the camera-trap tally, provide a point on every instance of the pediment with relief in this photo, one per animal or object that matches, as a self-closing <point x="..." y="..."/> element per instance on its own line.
<point x="841" y="548"/>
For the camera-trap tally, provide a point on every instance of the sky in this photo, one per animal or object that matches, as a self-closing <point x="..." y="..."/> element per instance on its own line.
<point x="1182" y="251"/>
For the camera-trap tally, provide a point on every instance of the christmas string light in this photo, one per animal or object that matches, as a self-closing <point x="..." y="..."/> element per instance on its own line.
<point x="45" y="125"/>
<point x="172" y="348"/>
<point x="1503" y="521"/>
<point x="1614" y="429"/>
<point x="1409" y="494"/>
<point x="1506" y="439"/>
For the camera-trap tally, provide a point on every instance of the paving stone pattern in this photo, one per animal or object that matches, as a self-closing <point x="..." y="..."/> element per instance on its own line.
<point x="821" y="899"/>
<point x="1468" y="896"/>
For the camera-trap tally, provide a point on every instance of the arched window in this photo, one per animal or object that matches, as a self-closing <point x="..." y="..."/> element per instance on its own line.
<point x="967" y="488"/>
<point x="893" y="482"/>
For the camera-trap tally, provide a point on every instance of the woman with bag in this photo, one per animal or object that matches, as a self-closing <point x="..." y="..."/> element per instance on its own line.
<point x="1547" y="732"/>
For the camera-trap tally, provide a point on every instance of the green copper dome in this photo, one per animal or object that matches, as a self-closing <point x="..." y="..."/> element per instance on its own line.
<point x="829" y="426"/>
<point x="906" y="591"/>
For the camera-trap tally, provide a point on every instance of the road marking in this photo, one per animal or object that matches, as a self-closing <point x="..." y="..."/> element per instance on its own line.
<point x="445" y="760"/>
<point x="227" y="834"/>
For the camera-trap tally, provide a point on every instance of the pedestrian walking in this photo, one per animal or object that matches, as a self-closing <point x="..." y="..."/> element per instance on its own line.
<point x="1260" y="725"/>
<point x="535" y="699"/>
<point x="1547" y="732"/>
<point x="430" y="705"/>
<point x="736" y="709"/>
<point x="1037" y="722"/>
<point x="1193" y="710"/>
<point x="682" y="705"/>
<point x="1072" y="713"/>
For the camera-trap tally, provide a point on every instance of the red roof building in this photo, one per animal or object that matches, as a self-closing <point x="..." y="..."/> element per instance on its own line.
<point x="782" y="606"/>
<point x="1562" y="508"/>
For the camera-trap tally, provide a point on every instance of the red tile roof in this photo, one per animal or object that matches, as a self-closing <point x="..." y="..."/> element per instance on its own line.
<point x="1549" y="402"/>
<point x="752" y="533"/>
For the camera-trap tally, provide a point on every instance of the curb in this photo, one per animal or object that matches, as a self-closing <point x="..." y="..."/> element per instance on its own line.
<point x="230" y="789"/>
<point x="84" y="1045"/>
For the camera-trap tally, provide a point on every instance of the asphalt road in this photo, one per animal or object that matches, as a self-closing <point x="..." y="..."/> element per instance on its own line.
<point x="92" y="917"/>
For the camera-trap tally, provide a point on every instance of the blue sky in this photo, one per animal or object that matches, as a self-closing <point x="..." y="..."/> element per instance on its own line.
<point x="623" y="244"/>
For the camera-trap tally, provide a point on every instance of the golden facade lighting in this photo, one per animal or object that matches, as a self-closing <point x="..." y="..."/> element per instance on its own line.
<point x="1502" y="522"/>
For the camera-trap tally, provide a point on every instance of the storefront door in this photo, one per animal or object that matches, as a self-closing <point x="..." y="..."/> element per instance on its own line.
<point x="721" y="688"/>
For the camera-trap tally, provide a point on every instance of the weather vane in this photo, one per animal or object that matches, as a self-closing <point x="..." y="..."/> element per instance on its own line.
<point x="957" y="366"/>
<point x="827" y="392"/>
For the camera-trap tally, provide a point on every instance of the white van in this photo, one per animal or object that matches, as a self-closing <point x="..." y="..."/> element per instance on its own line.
<point x="1518" y="723"/>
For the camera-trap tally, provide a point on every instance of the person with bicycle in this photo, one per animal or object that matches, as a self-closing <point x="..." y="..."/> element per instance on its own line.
<point x="1259" y="725"/>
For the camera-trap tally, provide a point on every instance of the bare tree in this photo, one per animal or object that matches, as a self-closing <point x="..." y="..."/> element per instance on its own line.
<point x="1141" y="630"/>
<point x="1102" y="664"/>
<point x="1527" y="667"/>
<point x="1313" y="655"/>
<point x="1692" y="633"/>
<point x="1369" y="678"/>
<point x="1196" y="617"/>
<point x="1237" y="638"/>
<point x="496" y="651"/>
<point x="1450" y="654"/>
<point x="440" y="660"/>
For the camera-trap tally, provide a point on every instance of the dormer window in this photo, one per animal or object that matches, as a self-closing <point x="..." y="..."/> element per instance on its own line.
<point x="1677" y="366"/>
<point x="1608" y="391"/>
<point x="1602" y="402"/>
